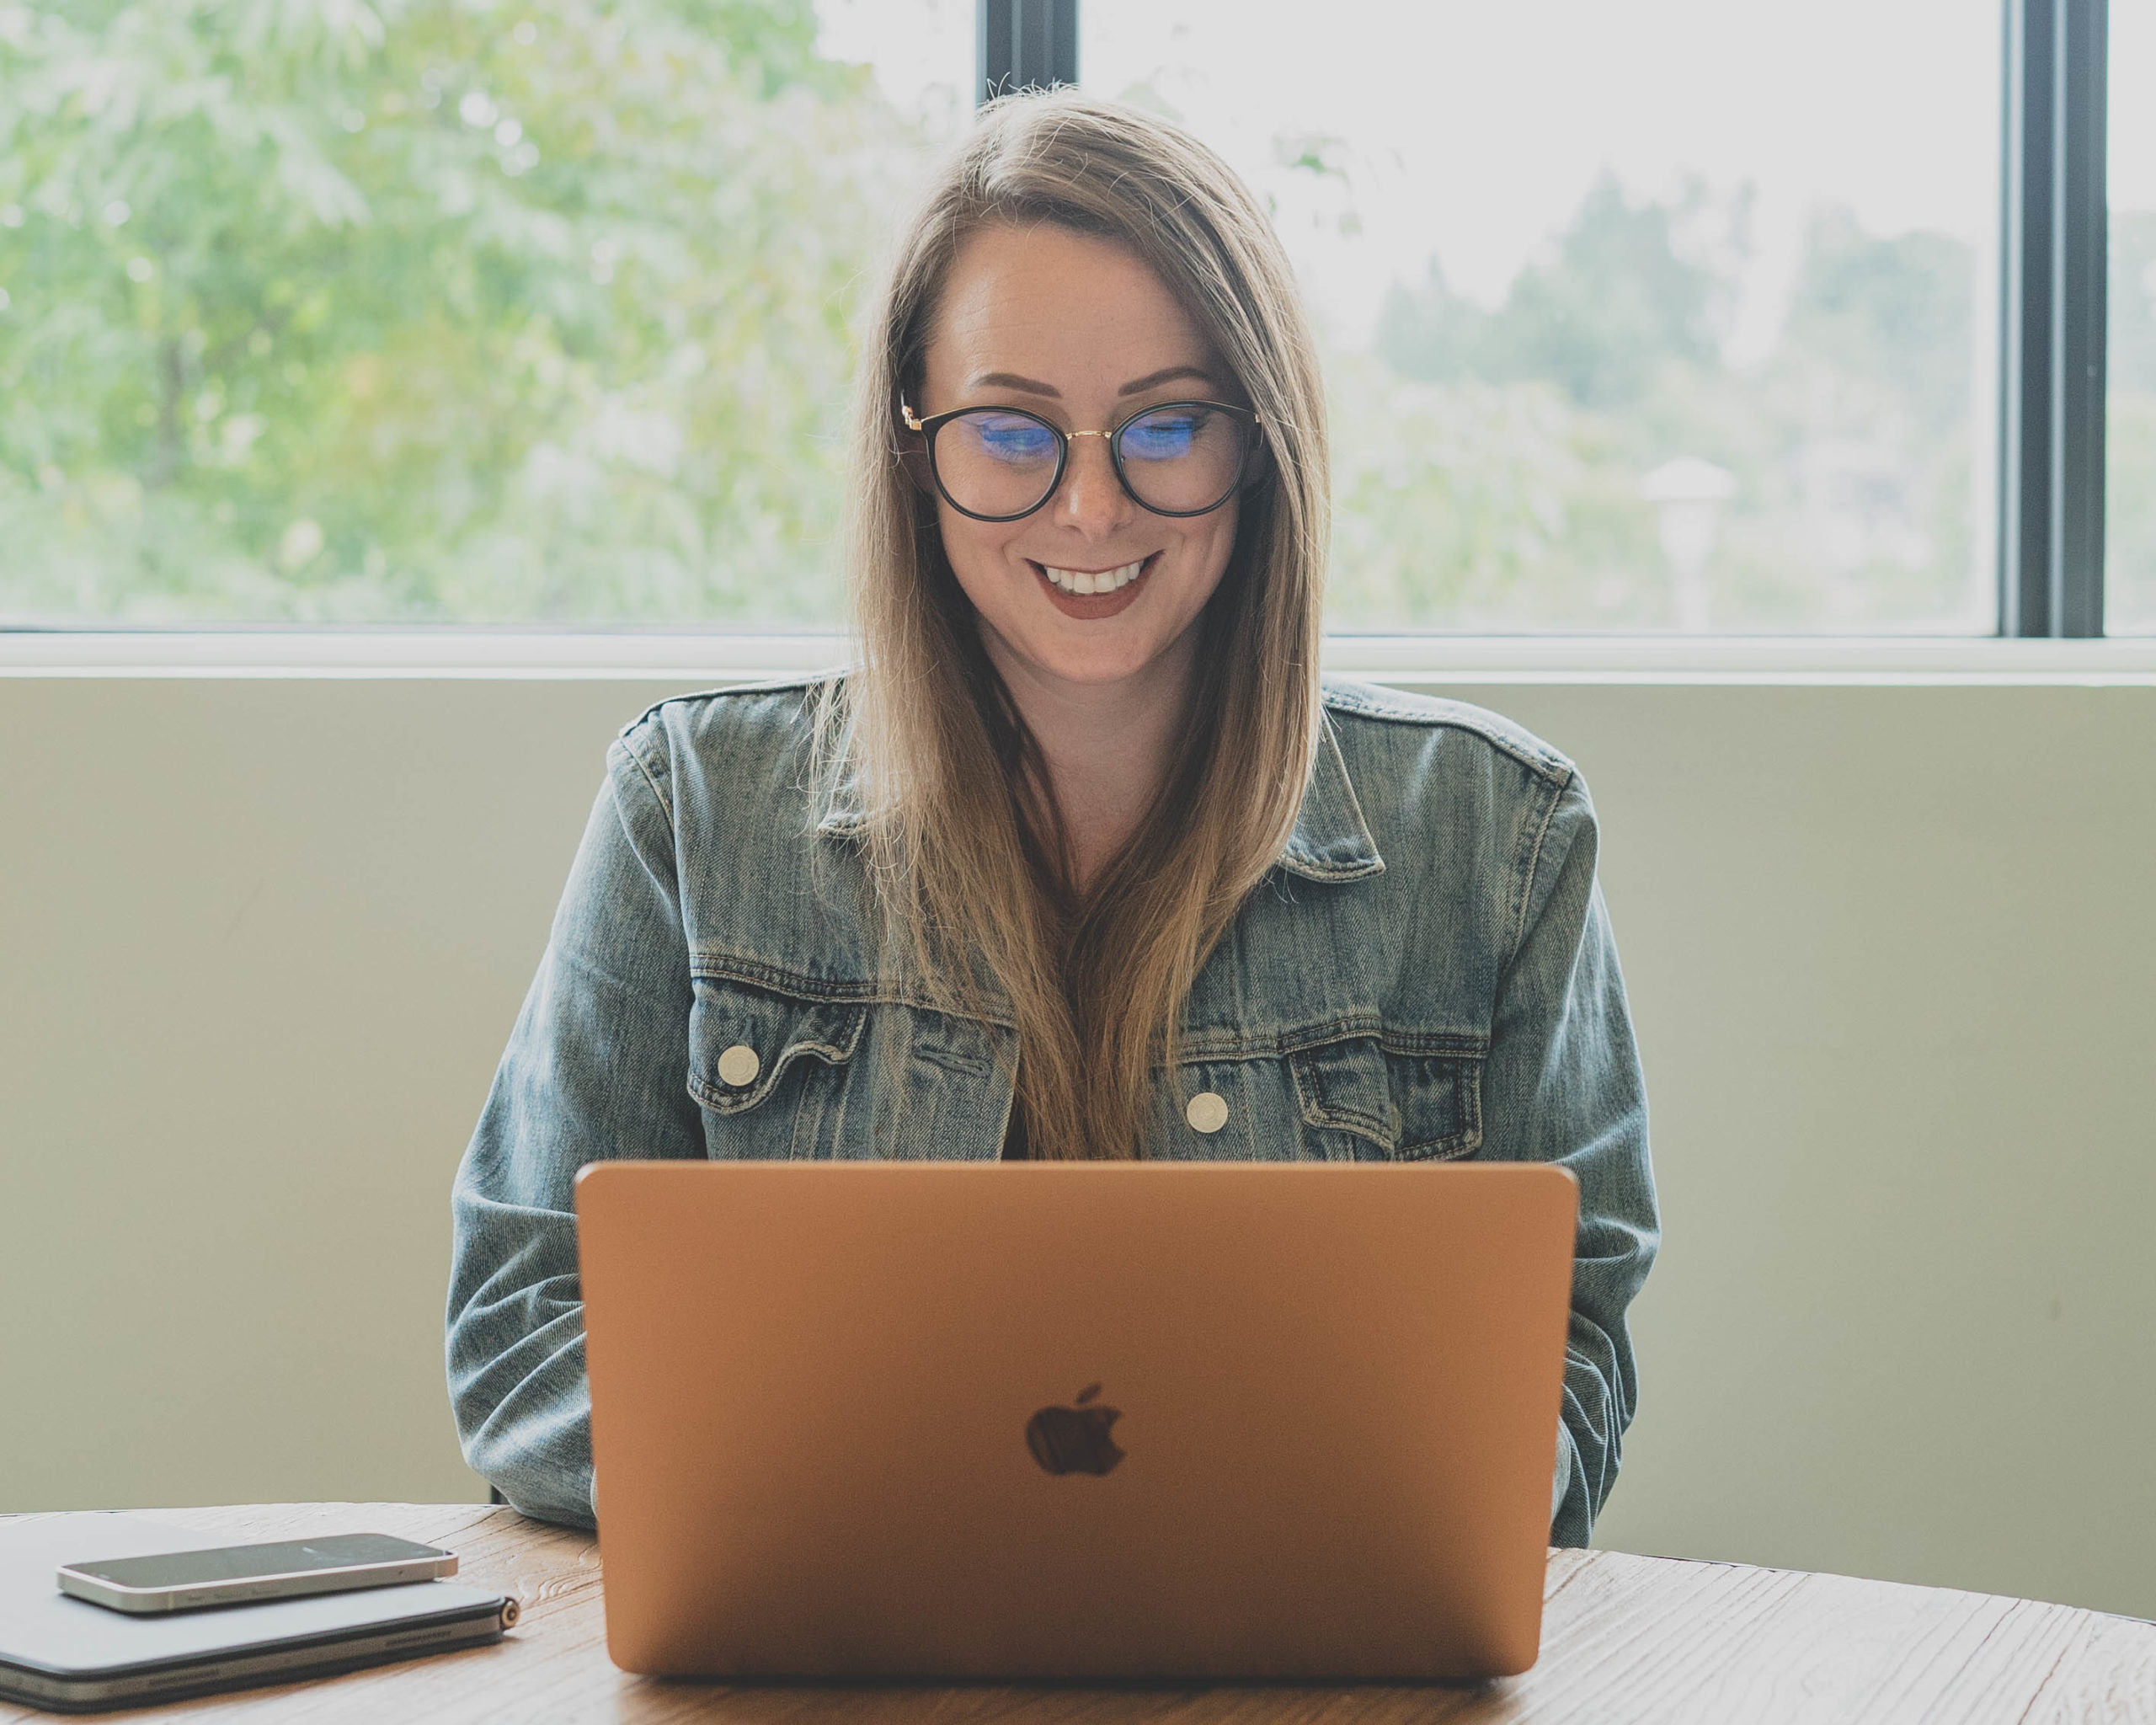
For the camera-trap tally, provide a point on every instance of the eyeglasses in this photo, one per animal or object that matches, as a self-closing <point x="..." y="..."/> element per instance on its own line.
<point x="1177" y="458"/>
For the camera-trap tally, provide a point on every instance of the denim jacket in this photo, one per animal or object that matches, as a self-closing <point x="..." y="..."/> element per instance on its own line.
<point x="1427" y="974"/>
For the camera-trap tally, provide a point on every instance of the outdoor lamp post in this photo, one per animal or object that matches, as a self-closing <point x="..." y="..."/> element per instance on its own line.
<point x="1688" y="494"/>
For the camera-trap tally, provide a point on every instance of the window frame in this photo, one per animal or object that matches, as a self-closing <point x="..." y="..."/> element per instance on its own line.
<point x="704" y="658"/>
<point x="2053" y="318"/>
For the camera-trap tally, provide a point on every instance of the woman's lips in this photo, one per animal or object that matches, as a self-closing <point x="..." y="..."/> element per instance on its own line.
<point x="1088" y="607"/>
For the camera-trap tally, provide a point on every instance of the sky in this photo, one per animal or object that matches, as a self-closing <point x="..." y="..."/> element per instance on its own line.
<point x="1469" y="132"/>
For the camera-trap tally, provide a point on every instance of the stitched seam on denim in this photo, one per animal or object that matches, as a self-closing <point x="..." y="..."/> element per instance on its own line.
<point x="724" y="967"/>
<point x="1549" y="763"/>
<point x="1308" y="865"/>
<point x="734" y="1101"/>
<point x="636" y="754"/>
<point x="1330" y="874"/>
<point x="1318" y="1112"/>
<point x="1439" y="1150"/>
<point x="1533" y="864"/>
<point x="1321" y="1111"/>
<point x="807" y="679"/>
<point x="1234" y="1046"/>
<point x="1552" y="765"/>
<point x="1455" y="1144"/>
<point x="1375" y="865"/>
<point x="952" y="1061"/>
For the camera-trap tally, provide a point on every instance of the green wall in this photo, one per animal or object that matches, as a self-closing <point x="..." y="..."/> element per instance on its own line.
<point x="1890" y="951"/>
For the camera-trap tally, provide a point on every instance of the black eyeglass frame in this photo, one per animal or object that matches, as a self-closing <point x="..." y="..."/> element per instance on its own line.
<point x="926" y="429"/>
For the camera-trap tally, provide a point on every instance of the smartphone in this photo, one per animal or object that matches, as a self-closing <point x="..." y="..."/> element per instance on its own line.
<point x="230" y="1575"/>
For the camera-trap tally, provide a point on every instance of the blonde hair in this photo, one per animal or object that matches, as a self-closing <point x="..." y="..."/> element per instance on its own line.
<point x="963" y="838"/>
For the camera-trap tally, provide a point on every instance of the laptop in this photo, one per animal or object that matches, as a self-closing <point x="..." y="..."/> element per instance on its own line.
<point x="1073" y="1421"/>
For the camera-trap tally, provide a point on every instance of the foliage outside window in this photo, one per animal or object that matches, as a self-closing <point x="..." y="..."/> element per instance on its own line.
<point x="1658" y="317"/>
<point x="544" y="310"/>
<point x="428" y="309"/>
<point x="1539" y="464"/>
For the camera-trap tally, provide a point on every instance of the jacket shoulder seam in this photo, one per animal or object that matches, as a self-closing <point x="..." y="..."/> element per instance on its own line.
<point x="1546" y="762"/>
<point x="1533" y="868"/>
<point x="631" y="746"/>
<point x="772" y="686"/>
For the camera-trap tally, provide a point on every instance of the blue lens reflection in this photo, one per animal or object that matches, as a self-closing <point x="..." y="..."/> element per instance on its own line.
<point x="1011" y="439"/>
<point x="1163" y="437"/>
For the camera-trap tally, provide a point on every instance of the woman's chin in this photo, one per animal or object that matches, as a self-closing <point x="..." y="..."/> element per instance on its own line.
<point x="1037" y="628"/>
<point x="1093" y="655"/>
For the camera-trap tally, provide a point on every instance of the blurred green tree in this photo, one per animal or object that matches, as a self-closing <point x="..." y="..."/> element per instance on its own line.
<point x="390" y="309"/>
<point x="1497" y="481"/>
<point x="1611" y="303"/>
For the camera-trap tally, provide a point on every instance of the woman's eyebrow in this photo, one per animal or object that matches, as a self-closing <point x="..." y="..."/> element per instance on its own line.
<point x="1160" y="377"/>
<point x="1031" y="386"/>
<point x="1011" y="380"/>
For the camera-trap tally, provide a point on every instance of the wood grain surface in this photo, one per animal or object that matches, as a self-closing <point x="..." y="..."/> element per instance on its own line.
<point x="1624" y="1638"/>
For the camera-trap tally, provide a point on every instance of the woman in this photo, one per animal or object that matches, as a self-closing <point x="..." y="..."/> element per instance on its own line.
<point x="1079" y="860"/>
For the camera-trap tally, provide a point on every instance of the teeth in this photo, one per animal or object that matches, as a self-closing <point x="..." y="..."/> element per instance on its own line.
<point x="1077" y="581"/>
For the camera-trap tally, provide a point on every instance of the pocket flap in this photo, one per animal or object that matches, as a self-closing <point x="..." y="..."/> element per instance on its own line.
<point x="743" y="1037"/>
<point x="1415" y="1107"/>
<point x="1343" y="1086"/>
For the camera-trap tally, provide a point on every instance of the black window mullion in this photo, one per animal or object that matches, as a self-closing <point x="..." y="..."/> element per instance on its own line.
<point x="2052" y="311"/>
<point x="1022" y="45"/>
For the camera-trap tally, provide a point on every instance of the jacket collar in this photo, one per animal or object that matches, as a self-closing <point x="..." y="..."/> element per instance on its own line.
<point x="1331" y="842"/>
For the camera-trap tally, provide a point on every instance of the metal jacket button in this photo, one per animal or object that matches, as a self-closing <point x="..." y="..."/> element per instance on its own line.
<point x="739" y="1066"/>
<point x="1206" y="1112"/>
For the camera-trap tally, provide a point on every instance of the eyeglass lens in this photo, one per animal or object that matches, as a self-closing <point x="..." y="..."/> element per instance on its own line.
<point x="1180" y="459"/>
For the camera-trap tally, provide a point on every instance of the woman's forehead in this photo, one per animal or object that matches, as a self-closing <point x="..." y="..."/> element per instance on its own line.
<point x="1072" y="311"/>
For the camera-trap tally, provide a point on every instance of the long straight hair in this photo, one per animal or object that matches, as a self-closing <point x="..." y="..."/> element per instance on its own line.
<point x="964" y="840"/>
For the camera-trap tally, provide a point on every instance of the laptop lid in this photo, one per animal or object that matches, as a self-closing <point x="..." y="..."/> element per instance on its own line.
<point x="1074" y="1420"/>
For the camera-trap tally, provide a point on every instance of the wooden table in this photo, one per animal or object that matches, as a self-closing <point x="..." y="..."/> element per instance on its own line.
<point x="1624" y="1638"/>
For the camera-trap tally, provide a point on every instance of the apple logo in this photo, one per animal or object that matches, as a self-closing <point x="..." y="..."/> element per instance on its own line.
<point x="1074" y="1439"/>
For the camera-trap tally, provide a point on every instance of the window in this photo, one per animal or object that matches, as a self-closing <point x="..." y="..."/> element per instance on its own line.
<point x="2130" y="481"/>
<point x="1659" y="316"/>
<point x="1678" y="315"/>
<point x="428" y="309"/>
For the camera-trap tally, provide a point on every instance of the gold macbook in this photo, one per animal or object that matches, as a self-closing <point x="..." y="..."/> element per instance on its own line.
<point x="1074" y="1420"/>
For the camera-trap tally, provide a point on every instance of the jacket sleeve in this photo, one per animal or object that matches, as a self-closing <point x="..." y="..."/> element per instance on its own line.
<point x="597" y="1068"/>
<point x="1562" y="1084"/>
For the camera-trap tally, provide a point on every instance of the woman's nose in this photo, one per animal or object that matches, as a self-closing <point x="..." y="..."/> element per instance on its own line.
<point x="1092" y="499"/>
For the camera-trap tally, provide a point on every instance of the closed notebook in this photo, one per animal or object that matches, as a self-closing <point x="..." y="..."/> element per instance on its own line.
<point x="71" y="1655"/>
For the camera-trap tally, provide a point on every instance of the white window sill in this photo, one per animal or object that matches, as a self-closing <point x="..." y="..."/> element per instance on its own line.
<point x="714" y="657"/>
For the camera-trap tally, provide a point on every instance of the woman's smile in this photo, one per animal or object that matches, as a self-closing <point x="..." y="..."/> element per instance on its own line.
<point x="1090" y="593"/>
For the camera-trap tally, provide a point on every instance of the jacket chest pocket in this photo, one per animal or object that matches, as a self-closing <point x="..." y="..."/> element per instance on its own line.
<point x="1351" y="1099"/>
<point x="1362" y="1100"/>
<point x="770" y="1068"/>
